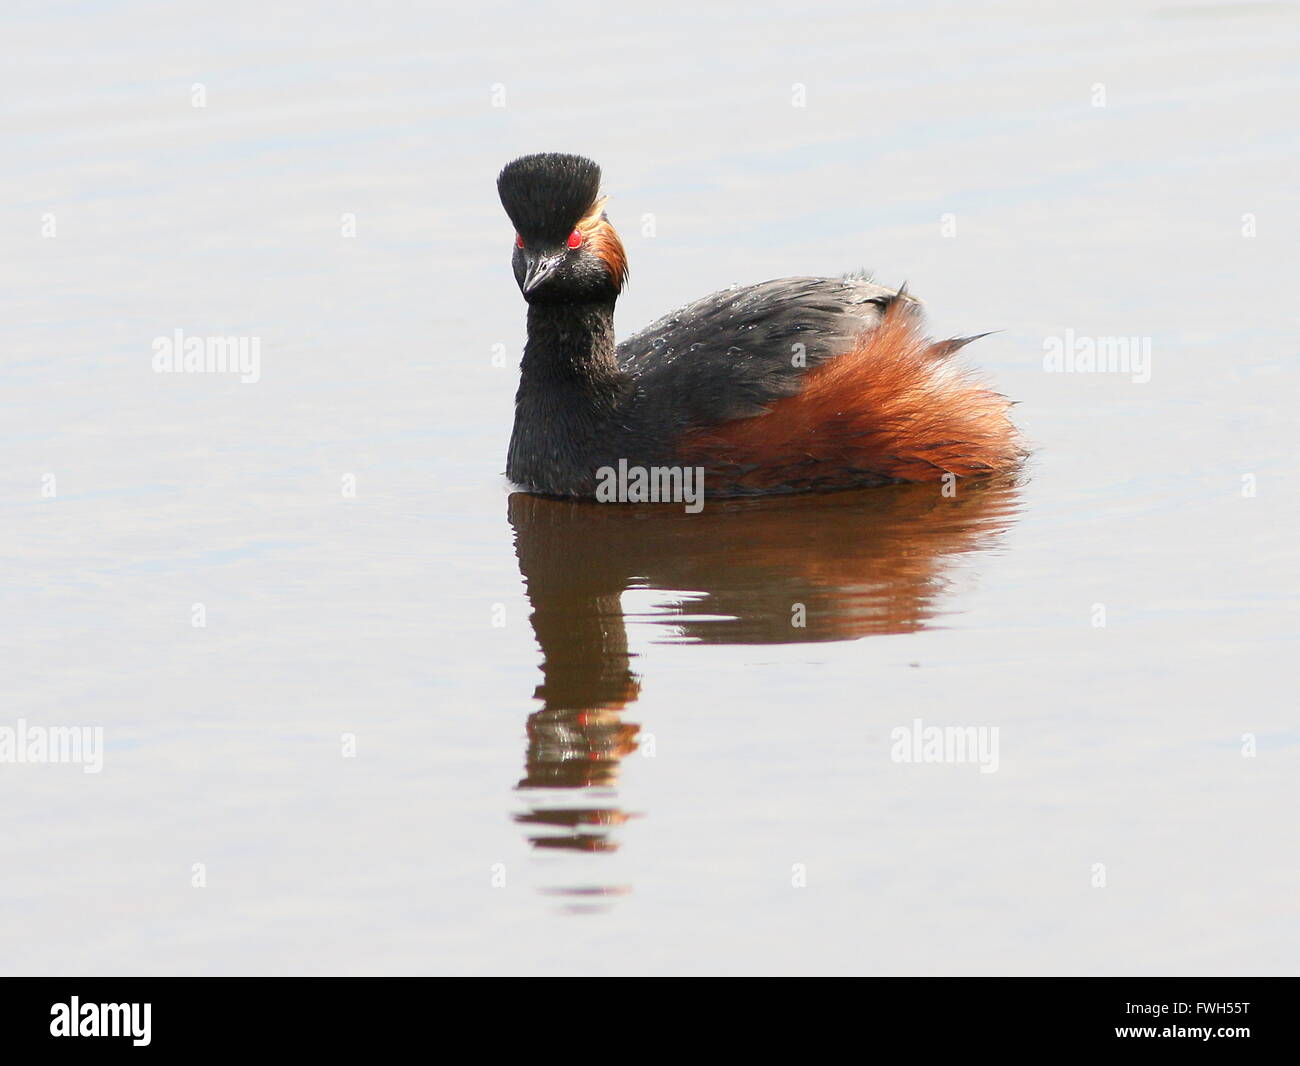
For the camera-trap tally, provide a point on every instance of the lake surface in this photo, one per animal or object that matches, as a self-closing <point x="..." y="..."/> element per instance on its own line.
<point x="364" y="710"/>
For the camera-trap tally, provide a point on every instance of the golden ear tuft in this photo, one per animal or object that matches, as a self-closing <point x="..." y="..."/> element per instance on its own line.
<point x="592" y="218"/>
<point x="604" y="240"/>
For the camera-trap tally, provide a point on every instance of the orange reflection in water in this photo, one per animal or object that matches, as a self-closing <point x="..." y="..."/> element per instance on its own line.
<point x="860" y="563"/>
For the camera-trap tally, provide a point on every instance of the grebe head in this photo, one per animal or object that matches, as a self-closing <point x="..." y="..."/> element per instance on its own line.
<point x="566" y="251"/>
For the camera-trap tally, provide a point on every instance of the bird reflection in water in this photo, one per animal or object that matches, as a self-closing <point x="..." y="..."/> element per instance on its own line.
<point x="861" y="563"/>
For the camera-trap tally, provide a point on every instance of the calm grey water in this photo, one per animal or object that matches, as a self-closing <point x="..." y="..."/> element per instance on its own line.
<point x="425" y="727"/>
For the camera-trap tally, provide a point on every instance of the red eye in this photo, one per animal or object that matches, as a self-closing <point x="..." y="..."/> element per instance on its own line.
<point x="575" y="239"/>
<point x="519" y="241"/>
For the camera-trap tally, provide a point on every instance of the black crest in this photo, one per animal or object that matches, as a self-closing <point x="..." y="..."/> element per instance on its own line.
<point x="546" y="194"/>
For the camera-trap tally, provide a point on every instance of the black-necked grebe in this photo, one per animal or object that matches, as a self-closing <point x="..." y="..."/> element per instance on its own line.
<point x="794" y="385"/>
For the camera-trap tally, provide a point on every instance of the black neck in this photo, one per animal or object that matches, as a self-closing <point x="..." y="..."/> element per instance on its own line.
<point x="569" y="390"/>
<point x="570" y="342"/>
